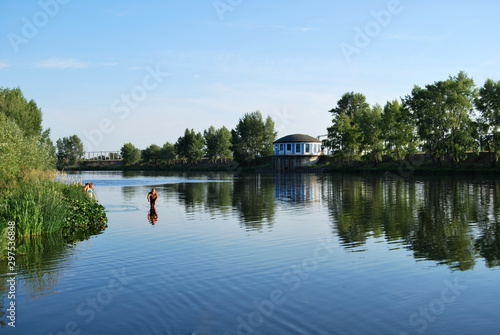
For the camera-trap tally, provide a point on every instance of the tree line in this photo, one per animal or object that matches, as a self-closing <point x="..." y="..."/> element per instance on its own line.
<point x="252" y="137"/>
<point x="446" y="120"/>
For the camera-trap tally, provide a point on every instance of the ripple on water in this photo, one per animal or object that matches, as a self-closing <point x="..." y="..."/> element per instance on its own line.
<point x="120" y="208"/>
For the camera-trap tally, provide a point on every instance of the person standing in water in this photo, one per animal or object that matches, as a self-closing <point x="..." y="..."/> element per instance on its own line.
<point x="152" y="197"/>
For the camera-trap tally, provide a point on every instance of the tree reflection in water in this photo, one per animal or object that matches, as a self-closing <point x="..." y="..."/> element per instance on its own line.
<point x="448" y="220"/>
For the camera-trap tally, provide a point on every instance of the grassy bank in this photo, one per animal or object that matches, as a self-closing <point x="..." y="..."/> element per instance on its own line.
<point x="44" y="206"/>
<point x="29" y="195"/>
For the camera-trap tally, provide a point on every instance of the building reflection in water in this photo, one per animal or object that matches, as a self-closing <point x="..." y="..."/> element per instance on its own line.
<point x="298" y="187"/>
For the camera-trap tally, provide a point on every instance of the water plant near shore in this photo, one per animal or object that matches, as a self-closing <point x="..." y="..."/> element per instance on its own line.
<point x="47" y="206"/>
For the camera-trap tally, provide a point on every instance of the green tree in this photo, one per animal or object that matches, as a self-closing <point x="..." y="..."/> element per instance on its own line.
<point x="218" y="143"/>
<point x="25" y="114"/>
<point x="130" y="154"/>
<point x="168" y="153"/>
<point x="211" y="142"/>
<point x="19" y="155"/>
<point x="442" y="115"/>
<point x="345" y="136"/>
<point x="253" y="137"/>
<point x="151" y="154"/>
<point x="69" y="150"/>
<point x="488" y="104"/>
<point x="47" y="143"/>
<point x="370" y="127"/>
<point x="398" y="131"/>
<point x="224" y="143"/>
<point x="190" y="146"/>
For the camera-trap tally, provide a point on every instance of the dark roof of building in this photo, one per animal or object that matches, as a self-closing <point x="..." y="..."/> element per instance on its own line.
<point x="297" y="138"/>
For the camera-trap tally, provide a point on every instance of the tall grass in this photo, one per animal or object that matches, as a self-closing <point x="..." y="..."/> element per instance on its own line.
<point x="36" y="207"/>
<point x="44" y="206"/>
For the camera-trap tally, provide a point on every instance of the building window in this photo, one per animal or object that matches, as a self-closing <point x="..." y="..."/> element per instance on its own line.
<point x="281" y="147"/>
<point x="308" y="149"/>
<point x="288" y="147"/>
<point x="297" y="147"/>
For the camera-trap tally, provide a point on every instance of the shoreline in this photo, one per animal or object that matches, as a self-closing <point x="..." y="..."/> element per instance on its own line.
<point x="418" y="165"/>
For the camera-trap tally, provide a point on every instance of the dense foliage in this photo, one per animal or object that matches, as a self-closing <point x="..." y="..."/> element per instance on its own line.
<point x="29" y="194"/>
<point x="190" y="146"/>
<point x="439" y="119"/>
<point x="253" y="137"/>
<point x="26" y="114"/>
<point x="218" y="143"/>
<point x="69" y="150"/>
<point x="130" y="154"/>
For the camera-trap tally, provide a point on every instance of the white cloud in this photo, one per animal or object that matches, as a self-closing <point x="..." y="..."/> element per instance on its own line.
<point x="57" y="63"/>
<point x="3" y="65"/>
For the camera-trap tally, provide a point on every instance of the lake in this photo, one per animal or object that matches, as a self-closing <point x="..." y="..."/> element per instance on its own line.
<point x="271" y="254"/>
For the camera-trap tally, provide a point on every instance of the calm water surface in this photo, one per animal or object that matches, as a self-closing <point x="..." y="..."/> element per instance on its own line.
<point x="264" y="254"/>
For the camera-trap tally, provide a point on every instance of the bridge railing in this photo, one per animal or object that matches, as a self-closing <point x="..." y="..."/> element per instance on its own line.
<point x="102" y="156"/>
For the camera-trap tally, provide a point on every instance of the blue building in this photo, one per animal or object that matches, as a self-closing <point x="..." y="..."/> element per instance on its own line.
<point x="295" y="151"/>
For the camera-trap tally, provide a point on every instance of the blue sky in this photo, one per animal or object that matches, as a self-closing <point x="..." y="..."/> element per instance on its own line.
<point x="142" y="71"/>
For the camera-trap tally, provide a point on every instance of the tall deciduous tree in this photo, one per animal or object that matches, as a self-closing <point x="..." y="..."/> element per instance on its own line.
<point x="190" y="146"/>
<point x="130" y="154"/>
<point x="211" y="142"/>
<point x="370" y="127"/>
<point x="398" y="131"/>
<point x="151" y="154"/>
<point x="253" y="137"/>
<point x="168" y="153"/>
<point x="69" y="150"/>
<point x="224" y="143"/>
<point x="345" y="136"/>
<point x="442" y="114"/>
<point x="488" y="104"/>
<point x="218" y="143"/>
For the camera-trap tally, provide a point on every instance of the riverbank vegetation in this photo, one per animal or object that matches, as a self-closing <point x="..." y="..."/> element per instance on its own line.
<point x="29" y="194"/>
<point x="450" y="123"/>
<point x="447" y="120"/>
<point x="252" y="137"/>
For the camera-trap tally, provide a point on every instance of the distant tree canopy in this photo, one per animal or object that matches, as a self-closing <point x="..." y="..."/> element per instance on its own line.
<point x="218" y="143"/>
<point x="398" y="131"/>
<point x="441" y="112"/>
<point x="151" y="154"/>
<point x="167" y="153"/>
<point x="190" y="146"/>
<point x="439" y="118"/>
<point x="488" y="104"/>
<point x="253" y="137"/>
<point x="130" y="154"/>
<point x="345" y="135"/>
<point x="69" y="150"/>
